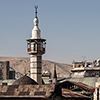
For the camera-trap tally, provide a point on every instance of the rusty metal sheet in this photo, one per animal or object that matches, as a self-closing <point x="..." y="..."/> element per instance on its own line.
<point x="79" y="84"/>
<point x="68" y="93"/>
<point x="5" y="88"/>
<point x="26" y="90"/>
<point x="86" y="87"/>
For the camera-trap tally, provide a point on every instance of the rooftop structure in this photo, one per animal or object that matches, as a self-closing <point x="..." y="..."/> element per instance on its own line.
<point x="6" y="71"/>
<point x="25" y="80"/>
<point x="86" y="69"/>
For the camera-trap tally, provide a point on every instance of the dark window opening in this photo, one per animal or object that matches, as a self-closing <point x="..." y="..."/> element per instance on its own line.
<point x="4" y="83"/>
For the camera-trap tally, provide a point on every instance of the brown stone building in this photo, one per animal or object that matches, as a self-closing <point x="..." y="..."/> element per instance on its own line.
<point x="5" y="71"/>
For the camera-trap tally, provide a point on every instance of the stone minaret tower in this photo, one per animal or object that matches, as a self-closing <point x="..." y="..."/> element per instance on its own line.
<point x="36" y="48"/>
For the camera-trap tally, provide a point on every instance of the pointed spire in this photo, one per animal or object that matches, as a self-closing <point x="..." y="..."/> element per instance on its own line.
<point x="55" y="74"/>
<point x="36" y="11"/>
<point x="36" y="31"/>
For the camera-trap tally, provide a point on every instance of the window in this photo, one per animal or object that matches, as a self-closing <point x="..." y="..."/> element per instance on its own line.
<point x="4" y="83"/>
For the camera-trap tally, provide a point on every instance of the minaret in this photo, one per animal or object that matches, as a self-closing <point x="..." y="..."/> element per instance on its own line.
<point x="36" y="48"/>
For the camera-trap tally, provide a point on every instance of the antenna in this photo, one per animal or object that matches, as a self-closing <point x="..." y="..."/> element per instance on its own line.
<point x="83" y="58"/>
<point x="36" y="11"/>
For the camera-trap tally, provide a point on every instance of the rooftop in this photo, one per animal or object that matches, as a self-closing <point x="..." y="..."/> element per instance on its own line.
<point x="25" y="80"/>
<point x="26" y="90"/>
<point x="90" y="81"/>
<point x="70" y="94"/>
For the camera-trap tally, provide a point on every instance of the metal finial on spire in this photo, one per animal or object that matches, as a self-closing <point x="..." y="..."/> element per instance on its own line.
<point x="36" y="11"/>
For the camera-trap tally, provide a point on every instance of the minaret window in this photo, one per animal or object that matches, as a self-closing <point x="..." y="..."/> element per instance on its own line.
<point x="79" y="66"/>
<point x="28" y="46"/>
<point x="44" y="45"/>
<point x="34" y="46"/>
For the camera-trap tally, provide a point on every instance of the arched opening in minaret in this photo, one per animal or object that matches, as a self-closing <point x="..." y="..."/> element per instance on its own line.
<point x="34" y="46"/>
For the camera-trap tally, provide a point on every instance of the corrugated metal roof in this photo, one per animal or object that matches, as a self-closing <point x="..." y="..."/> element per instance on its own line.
<point x="25" y="80"/>
<point x="9" y="81"/>
<point x="98" y="80"/>
<point x="26" y="90"/>
<point x="70" y="94"/>
<point x="76" y="79"/>
<point x="46" y="80"/>
<point x="90" y="81"/>
<point x="86" y="80"/>
<point x="84" y="86"/>
<point x="68" y="84"/>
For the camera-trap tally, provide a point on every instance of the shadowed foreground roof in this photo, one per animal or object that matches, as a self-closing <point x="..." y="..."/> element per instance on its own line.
<point x="79" y="84"/>
<point x="90" y="81"/>
<point x="70" y="94"/>
<point x="35" y="91"/>
<point x="25" y="80"/>
<point x="84" y="86"/>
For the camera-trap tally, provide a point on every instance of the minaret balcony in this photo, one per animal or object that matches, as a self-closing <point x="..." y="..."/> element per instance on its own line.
<point x="40" y="51"/>
<point x="36" y="46"/>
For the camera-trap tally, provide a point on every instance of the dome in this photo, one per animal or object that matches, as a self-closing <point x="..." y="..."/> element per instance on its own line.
<point x="25" y="80"/>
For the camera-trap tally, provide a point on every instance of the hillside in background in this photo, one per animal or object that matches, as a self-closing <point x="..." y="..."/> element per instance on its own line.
<point x="19" y="64"/>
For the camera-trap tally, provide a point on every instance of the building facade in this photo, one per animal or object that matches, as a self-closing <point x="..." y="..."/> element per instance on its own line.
<point x="86" y="69"/>
<point x="5" y="71"/>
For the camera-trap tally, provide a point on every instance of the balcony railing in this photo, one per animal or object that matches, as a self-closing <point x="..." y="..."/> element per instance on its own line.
<point x="29" y="50"/>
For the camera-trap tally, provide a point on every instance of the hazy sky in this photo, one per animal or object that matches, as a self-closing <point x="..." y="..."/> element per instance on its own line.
<point x="71" y="27"/>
